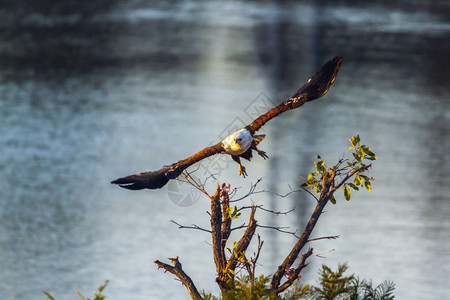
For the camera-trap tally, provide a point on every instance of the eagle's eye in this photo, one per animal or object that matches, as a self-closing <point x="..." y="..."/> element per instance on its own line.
<point x="238" y="140"/>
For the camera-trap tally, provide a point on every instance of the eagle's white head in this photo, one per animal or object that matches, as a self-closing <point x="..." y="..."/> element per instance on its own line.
<point x="238" y="142"/>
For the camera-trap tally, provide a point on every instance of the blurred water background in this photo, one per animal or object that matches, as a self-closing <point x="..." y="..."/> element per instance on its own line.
<point x="92" y="91"/>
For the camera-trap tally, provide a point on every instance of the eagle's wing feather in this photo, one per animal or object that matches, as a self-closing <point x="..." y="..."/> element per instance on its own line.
<point x="158" y="179"/>
<point x="316" y="87"/>
<point x="145" y="180"/>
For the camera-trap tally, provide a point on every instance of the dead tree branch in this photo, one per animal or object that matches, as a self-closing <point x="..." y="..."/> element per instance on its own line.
<point x="194" y="183"/>
<point x="294" y="274"/>
<point x="268" y="210"/>
<point x="296" y="191"/>
<point x="250" y="192"/>
<point x="325" y="196"/>
<point x="243" y="243"/>
<point x="332" y="237"/>
<point x="250" y="266"/>
<point x="280" y="229"/>
<point x="177" y="270"/>
<point x="226" y="223"/>
<point x="193" y="226"/>
<point x="216" y="227"/>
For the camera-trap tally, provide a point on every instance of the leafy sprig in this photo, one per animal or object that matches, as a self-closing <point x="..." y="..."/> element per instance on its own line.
<point x="350" y="174"/>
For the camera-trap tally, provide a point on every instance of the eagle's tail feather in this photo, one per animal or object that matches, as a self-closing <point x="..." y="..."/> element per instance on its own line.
<point x="258" y="138"/>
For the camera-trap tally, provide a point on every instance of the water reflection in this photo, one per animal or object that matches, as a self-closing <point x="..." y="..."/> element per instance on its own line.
<point x="86" y="97"/>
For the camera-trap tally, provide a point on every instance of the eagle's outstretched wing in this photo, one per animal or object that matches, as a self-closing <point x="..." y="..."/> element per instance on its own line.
<point x="158" y="179"/>
<point x="316" y="87"/>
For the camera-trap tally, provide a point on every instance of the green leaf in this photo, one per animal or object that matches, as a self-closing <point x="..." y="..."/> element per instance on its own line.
<point x="366" y="178"/>
<point x="347" y="192"/>
<point x="368" y="185"/>
<point x="353" y="186"/>
<point x="333" y="200"/>
<point x="351" y="164"/>
<point x="358" y="180"/>
<point x="320" y="166"/>
<point x="49" y="297"/>
<point x="368" y="152"/>
<point x="357" y="156"/>
<point x="354" y="140"/>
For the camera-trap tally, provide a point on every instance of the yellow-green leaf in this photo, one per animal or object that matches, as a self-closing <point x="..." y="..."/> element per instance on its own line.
<point x="347" y="192"/>
<point x="320" y="166"/>
<point x="333" y="200"/>
<point x="368" y="185"/>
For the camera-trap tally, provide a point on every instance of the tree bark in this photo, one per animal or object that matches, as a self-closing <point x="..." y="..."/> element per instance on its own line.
<point x="289" y="260"/>
<point x="216" y="233"/>
<point x="177" y="270"/>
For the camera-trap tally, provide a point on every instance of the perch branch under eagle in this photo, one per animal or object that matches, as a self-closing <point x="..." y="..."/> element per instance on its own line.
<point x="242" y="142"/>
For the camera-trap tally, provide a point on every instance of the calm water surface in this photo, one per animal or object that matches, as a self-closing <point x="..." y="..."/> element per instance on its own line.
<point x="92" y="93"/>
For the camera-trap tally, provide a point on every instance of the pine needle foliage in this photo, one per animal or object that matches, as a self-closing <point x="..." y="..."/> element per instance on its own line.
<point x="333" y="284"/>
<point x="98" y="296"/>
<point x="365" y="291"/>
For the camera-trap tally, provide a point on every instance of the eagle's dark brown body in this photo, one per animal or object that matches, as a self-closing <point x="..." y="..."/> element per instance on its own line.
<point x="316" y="87"/>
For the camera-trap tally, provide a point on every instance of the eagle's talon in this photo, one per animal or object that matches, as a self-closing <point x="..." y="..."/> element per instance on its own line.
<point x="242" y="171"/>
<point x="262" y="154"/>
